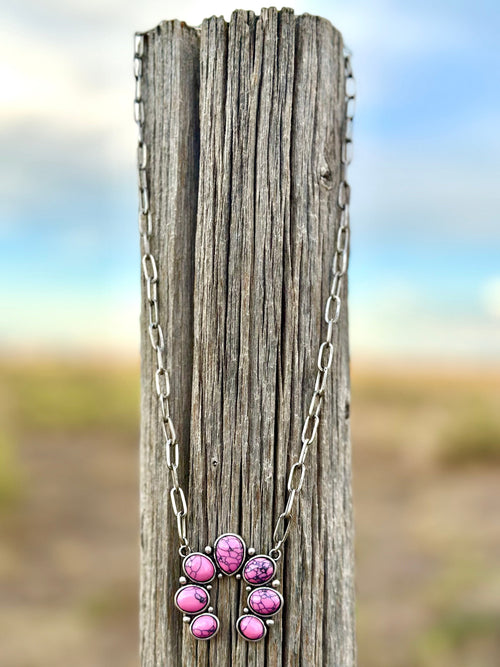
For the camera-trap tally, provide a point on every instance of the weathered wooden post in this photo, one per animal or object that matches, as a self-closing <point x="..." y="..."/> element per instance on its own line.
<point x="243" y="123"/>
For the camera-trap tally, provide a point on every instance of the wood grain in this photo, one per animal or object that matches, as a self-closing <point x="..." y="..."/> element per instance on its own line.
<point x="244" y="123"/>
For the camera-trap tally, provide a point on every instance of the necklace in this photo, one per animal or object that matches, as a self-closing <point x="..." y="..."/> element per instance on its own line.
<point x="229" y="555"/>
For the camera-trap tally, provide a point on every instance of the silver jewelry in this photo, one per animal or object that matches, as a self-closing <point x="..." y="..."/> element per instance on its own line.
<point x="229" y="555"/>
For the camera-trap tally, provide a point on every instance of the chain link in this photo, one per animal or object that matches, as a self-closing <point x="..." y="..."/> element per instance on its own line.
<point x="333" y="309"/>
<point x="155" y="331"/>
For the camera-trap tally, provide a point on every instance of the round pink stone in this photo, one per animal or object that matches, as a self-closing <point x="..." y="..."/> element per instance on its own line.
<point x="259" y="570"/>
<point x="229" y="553"/>
<point x="192" y="599"/>
<point x="251" y="628"/>
<point x="199" y="568"/>
<point x="204" y="626"/>
<point x="265" y="601"/>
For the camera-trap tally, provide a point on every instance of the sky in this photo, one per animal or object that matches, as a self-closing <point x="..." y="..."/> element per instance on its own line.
<point x="425" y="253"/>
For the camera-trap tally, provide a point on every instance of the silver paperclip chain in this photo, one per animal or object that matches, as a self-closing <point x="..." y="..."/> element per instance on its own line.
<point x="150" y="272"/>
<point x="332" y="314"/>
<point x="333" y="308"/>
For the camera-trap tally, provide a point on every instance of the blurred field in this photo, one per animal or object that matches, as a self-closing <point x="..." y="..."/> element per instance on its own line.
<point x="426" y="484"/>
<point x="68" y="515"/>
<point x="426" y="448"/>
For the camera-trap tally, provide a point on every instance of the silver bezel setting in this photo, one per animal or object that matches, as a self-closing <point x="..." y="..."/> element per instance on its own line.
<point x="192" y="613"/>
<point x="198" y="553"/>
<point x="256" y="613"/>
<point x="265" y="583"/>
<point x="242" y="560"/>
<point x="204" y="639"/>
<point x="243" y="636"/>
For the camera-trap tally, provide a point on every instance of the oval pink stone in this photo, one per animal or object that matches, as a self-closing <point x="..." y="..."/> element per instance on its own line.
<point x="229" y="553"/>
<point x="192" y="599"/>
<point x="259" y="570"/>
<point x="265" y="601"/>
<point x="204" y="626"/>
<point x="251" y="628"/>
<point x="199" y="568"/>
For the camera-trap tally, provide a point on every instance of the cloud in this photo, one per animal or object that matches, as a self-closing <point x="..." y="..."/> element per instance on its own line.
<point x="47" y="84"/>
<point x="68" y="97"/>
<point x="425" y="169"/>
<point x="72" y="320"/>
<point x="405" y="321"/>
<point x="491" y="297"/>
<point x="424" y="193"/>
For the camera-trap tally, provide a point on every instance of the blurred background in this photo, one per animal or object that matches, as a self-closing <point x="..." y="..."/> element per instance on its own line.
<point x="424" y="308"/>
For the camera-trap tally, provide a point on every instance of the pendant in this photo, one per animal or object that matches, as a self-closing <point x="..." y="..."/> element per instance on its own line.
<point x="228" y="557"/>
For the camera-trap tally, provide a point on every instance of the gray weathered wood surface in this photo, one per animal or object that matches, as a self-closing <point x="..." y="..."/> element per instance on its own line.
<point x="243" y="125"/>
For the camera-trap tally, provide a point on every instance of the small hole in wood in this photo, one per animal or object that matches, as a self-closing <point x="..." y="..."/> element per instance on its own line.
<point x="325" y="174"/>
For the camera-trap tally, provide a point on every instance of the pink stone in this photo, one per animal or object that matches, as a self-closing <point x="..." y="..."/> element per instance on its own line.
<point x="265" y="601"/>
<point x="259" y="570"/>
<point x="199" y="568"/>
<point x="204" y="626"/>
<point x="192" y="599"/>
<point x="251" y="628"/>
<point x="229" y="553"/>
